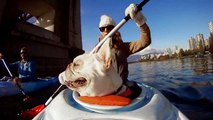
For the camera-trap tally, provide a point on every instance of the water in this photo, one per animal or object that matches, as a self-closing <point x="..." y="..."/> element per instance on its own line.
<point x="186" y="82"/>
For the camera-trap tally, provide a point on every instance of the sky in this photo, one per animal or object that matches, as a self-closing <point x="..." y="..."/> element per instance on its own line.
<point x="172" y="22"/>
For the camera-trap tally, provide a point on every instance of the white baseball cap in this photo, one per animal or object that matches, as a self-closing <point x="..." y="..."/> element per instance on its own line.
<point x="106" y="21"/>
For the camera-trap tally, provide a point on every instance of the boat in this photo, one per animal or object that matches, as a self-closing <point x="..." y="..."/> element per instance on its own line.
<point x="8" y="88"/>
<point x="149" y="105"/>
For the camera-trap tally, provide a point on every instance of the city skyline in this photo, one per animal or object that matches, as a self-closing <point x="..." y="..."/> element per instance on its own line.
<point x="194" y="42"/>
<point x="171" y="23"/>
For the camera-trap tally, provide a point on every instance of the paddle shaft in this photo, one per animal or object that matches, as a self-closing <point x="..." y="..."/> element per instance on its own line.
<point x="7" y="67"/>
<point x="19" y="86"/>
<point x="53" y="95"/>
<point x="117" y="27"/>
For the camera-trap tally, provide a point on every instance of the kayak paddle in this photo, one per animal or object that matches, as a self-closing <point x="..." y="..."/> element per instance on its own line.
<point x="17" y="84"/>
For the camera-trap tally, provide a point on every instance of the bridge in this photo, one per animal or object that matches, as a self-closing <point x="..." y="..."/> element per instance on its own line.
<point x="50" y="29"/>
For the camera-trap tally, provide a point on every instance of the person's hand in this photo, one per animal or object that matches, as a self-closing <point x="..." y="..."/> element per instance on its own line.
<point x="6" y="78"/>
<point x="1" y="56"/>
<point x="16" y="80"/>
<point x="138" y="17"/>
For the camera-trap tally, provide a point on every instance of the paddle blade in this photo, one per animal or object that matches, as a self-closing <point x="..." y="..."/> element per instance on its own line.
<point x="31" y="113"/>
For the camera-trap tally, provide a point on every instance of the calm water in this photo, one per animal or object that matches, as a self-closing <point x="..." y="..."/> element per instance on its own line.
<point x="186" y="82"/>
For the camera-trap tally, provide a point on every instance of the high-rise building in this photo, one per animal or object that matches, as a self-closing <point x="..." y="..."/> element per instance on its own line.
<point x="211" y="27"/>
<point x="207" y="43"/>
<point x="200" y="41"/>
<point x="192" y="43"/>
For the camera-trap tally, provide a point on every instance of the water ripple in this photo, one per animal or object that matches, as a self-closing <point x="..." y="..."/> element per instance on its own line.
<point x="186" y="82"/>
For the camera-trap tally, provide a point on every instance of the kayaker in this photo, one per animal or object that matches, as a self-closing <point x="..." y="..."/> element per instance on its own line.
<point x="25" y="67"/>
<point x="125" y="49"/>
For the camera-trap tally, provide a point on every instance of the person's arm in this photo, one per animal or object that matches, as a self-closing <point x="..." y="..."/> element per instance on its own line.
<point x="143" y="42"/>
<point x="14" y="68"/>
<point x="145" y="38"/>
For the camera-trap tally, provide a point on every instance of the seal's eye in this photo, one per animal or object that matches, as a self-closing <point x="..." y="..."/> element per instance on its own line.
<point x="75" y="64"/>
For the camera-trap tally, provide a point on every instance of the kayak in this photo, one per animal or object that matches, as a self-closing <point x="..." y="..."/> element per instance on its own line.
<point x="8" y="88"/>
<point x="149" y="105"/>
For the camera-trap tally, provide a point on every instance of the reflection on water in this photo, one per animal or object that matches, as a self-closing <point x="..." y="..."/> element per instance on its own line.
<point x="186" y="82"/>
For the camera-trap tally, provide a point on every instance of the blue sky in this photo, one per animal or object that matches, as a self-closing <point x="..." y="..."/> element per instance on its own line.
<point x="172" y="22"/>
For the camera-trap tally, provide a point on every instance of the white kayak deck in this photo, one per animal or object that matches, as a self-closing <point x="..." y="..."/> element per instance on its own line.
<point x="150" y="105"/>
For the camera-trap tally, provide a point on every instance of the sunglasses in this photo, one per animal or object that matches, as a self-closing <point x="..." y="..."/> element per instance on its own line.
<point x="23" y="52"/>
<point x="109" y="28"/>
